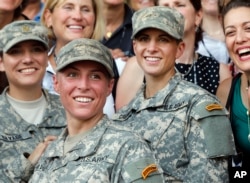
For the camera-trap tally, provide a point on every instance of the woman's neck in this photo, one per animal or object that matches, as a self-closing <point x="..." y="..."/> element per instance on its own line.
<point x="25" y="93"/>
<point x="156" y="83"/>
<point x="32" y="9"/>
<point x="114" y="16"/>
<point x="77" y="126"/>
<point x="212" y="23"/>
<point x="188" y="55"/>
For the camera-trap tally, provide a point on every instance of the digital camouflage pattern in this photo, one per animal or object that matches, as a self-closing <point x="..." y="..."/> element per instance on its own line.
<point x="106" y="154"/>
<point x="85" y="49"/>
<point x="18" y="137"/>
<point x="159" y="17"/>
<point x="187" y="128"/>
<point x="23" y="30"/>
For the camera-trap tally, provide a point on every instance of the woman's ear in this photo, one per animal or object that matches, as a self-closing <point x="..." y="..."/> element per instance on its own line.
<point x="47" y="18"/>
<point x="180" y="50"/>
<point x="198" y="18"/>
<point x="55" y="83"/>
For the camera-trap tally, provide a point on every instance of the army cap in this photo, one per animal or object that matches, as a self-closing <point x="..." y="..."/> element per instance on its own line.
<point x="23" y="30"/>
<point x="159" y="17"/>
<point x="84" y="49"/>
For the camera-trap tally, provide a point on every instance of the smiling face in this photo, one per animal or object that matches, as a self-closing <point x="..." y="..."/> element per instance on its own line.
<point x="83" y="87"/>
<point x="156" y="52"/>
<point x="237" y="33"/>
<point x="25" y="64"/>
<point x="71" y="19"/>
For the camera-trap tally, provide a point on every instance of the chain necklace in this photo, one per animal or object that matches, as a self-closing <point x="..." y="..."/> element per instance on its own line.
<point x="193" y="66"/>
<point x="248" y="112"/>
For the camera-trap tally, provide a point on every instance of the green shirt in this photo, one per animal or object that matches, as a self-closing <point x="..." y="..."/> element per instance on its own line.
<point x="240" y="122"/>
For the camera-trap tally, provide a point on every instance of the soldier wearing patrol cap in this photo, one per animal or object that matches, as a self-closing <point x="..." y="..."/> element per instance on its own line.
<point x="28" y="114"/>
<point x="185" y="125"/>
<point x="92" y="148"/>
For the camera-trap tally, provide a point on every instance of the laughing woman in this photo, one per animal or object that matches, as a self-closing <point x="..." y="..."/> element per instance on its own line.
<point x="235" y="92"/>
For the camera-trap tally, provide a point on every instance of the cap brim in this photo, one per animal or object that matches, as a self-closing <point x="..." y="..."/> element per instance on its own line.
<point x="83" y="58"/>
<point x="15" y="41"/>
<point x="158" y="26"/>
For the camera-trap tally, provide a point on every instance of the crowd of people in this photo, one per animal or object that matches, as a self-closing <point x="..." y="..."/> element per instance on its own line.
<point x="125" y="91"/>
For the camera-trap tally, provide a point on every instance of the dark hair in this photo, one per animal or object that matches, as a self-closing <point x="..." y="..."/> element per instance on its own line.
<point x="234" y="4"/>
<point x="18" y="11"/>
<point x="198" y="34"/>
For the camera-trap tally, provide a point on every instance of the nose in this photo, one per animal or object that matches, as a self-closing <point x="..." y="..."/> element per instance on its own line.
<point x="27" y="57"/>
<point x="152" y="46"/>
<point x="77" y="14"/>
<point x="240" y="36"/>
<point x="83" y="83"/>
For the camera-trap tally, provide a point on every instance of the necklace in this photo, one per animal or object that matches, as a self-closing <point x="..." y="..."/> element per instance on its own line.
<point x="193" y="66"/>
<point x="248" y="113"/>
<point x="109" y="34"/>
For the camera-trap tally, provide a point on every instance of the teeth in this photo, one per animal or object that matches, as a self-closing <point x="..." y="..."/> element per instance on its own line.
<point x="27" y="70"/>
<point x="83" y="99"/>
<point x="244" y="50"/>
<point x="75" y="27"/>
<point x="152" y="59"/>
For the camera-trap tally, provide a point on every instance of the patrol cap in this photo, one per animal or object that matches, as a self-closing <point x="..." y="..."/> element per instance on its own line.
<point x="84" y="49"/>
<point x="159" y="17"/>
<point x="23" y="30"/>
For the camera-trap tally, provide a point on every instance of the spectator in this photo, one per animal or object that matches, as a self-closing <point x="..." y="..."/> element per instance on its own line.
<point x="212" y="43"/>
<point x="69" y="20"/>
<point x="28" y="113"/>
<point x="34" y="10"/>
<point x="186" y="126"/>
<point x="92" y="149"/>
<point x="10" y="11"/>
<point x="118" y="28"/>
<point x="196" y="68"/>
<point x="234" y="92"/>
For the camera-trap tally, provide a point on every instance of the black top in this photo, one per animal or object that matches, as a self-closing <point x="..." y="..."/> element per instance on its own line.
<point x="204" y="72"/>
<point x="121" y="38"/>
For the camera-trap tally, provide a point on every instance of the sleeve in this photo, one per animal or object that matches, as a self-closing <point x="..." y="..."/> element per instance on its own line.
<point x="209" y="143"/>
<point x="20" y="170"/>
<point x="138" y="165"/>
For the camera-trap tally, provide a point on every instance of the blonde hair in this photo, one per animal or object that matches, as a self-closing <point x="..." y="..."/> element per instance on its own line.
<point x="99" y="27"/>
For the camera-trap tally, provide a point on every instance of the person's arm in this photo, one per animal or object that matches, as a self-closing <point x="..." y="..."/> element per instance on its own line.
<point x="209" y="142"/>
<point x="224" y="72"/>
<point x="136" y="163"/>
<point x="23" y="167"/>
<point x="129" y="83"/>
<point x="223" y="90"/>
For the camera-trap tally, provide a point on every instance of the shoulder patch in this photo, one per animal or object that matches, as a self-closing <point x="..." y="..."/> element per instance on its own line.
<point x="148" y="170"/>
<point x="214" y="106"/>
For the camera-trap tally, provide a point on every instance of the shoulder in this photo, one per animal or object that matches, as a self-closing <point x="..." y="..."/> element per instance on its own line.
<point x="223" y="90"/>
<point x="53" y="99"/>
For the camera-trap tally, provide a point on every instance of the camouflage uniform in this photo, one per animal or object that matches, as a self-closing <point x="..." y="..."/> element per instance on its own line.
<point x="107" y="154"/>
<point x="18" y="137"/>
<point x="191" y="140"/>
<point x="186" y="126"/>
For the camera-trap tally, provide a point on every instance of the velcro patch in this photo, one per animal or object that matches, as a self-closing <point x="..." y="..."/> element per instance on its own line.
<point x="212" y="107"/>
<point x="148" y="170"/>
